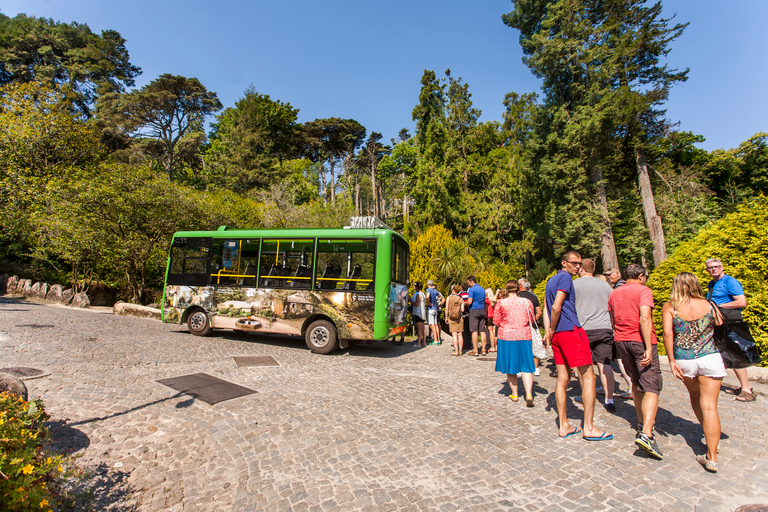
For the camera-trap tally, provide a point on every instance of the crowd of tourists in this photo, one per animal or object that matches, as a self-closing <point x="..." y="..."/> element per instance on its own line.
<point x="590" y="323"/>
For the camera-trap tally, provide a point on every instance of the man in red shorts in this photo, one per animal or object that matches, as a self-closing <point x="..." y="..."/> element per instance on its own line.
<point x="631" y="307"/>
<point x="570" y="347"/>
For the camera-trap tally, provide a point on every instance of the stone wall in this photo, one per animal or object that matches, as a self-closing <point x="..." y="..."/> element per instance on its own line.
<point x="40" y="290"/>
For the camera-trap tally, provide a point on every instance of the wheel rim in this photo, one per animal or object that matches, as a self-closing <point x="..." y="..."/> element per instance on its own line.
<point x="320" y="337"/>
<point x="197" y="321"/>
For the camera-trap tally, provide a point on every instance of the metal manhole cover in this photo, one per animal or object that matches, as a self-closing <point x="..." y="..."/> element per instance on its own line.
<point x="485" y="358"/>
<point x="36" y="326"/>
<point x="23" y="372"/>
<point x="752" y="508"/>
<point x="207" y="388"/>
<point x="256" y="361"/>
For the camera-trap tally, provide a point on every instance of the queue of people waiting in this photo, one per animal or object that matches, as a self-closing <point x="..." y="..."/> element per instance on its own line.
<point x="591" y="322"/>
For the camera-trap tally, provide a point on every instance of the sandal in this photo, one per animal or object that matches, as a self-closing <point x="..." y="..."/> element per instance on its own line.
<point x="746" y="396"/>
<point x="708" y="464"/>
<point x="473" y="353"/>
<point x="483" y="353"/>
<point x="529" y="400"/>
<point x="733" y="391"/>
<point x="514" y="398"/>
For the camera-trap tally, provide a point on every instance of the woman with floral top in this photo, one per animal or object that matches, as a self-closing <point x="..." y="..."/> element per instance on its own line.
<point x="689" y="323"/>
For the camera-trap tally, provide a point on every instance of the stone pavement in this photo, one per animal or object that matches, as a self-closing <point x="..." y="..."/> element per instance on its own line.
<point x="378" y="427"/>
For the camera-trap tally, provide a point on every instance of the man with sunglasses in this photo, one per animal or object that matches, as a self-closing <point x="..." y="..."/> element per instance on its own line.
<point x="728" y="294"/>
<point x="570" y="347"/>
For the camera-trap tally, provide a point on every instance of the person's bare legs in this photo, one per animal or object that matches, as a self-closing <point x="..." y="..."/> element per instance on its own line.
<point x="456" y="342"/>
<point x="492" y="334"/>
<point x="646" y="405"/>
<point x="482" y="341"/>
<point x="474" y="342"/>
<point x="741" y="374"/>
<point x="588" y="400"/>
<point x="704" y="392"/>
<point x="528" y="383"/>
<point x="563" y="377"/>
<point x="606" y="379"/>
<point x="624" y="374"/>
<point x="436" y="334"/>
<point x="421" y="339"/>
<point x="512" y="380"/>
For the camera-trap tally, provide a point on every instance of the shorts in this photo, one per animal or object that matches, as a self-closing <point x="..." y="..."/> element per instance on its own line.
<point x="477" y="320"/>
<point x="571" y="348"/>
<point x="601" y="345"/>
<point x="647" y="379"/>
<point x="432" y="317"/>
<point x="710" y="365"/>
<point x="417" y="320"/>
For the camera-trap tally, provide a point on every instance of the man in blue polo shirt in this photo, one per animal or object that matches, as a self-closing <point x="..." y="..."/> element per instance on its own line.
<point x="477" y="314"/>
<point x="570" y="346"/>
<point x="728" y="294"/>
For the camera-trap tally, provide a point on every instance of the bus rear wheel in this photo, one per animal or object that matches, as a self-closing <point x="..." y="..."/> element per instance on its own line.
<point x="321" y="337"/>
<point x="199" y="324"/>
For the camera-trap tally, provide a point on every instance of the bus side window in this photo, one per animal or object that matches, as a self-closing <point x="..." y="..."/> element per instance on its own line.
<point x="286" y="263"/>
<point x="347" y="264"/>
<point x="190" y="259"/>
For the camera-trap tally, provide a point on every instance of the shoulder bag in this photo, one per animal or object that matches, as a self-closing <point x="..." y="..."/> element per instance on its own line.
<point x="735" y="342"/>
<point x="537" y="344"/>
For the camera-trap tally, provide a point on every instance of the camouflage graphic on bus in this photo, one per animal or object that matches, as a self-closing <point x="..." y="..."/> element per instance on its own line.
<point x="281" y="311"/>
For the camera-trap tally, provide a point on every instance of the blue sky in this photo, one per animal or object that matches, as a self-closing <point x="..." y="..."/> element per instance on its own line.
<point x="363" y="60"/>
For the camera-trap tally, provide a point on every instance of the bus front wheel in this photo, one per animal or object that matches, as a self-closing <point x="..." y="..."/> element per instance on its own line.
<point x="199" y="324"/>
<point x="321" y="337"/>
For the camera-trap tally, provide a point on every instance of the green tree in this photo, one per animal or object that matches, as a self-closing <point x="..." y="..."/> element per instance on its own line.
<point x="39" y="49"/>
<point x="40" y="139"/>
<point x="168" y="109"/>
<point x="250" y="141"/>
<point x="604" y="82"/>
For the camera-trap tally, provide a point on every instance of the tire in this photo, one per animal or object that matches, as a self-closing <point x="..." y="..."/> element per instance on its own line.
<point x="321" y="337"/>
<point x="198" y="323"/>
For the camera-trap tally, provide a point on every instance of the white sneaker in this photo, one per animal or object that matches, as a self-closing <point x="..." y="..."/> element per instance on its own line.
<point x="537" y="373"/>
<point x="519" y="374"/>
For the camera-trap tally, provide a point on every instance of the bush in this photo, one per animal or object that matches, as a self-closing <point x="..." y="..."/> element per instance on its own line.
<point x="739" y="240"/>
<point x="27" y="472"/>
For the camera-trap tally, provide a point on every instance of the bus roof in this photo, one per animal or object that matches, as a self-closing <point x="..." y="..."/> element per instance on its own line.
<point x="227" y="232"/>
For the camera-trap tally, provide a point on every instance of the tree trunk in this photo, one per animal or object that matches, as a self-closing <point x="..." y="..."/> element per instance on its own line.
<point x="652" y="220"/>
<point x="333" y="181"/>
<point x="358" y="207"/>
<point x="322" y="183"/>
<point x="608" y="250"/>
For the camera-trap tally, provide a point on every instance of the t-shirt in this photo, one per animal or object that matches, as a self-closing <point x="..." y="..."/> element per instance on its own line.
<point x="562" y="281"/>
<point x="432" y="299"/>
<point x="592" y="303"/>
<point x="477" y="294"/>
<point x="625" y="304"/>
<point x="724" y="289"/>
<point x="419" y="310"/>
<point x="531" y="297"/>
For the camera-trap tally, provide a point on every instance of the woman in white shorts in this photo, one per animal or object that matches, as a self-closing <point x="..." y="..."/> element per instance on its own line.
<point x="689" y="324"/>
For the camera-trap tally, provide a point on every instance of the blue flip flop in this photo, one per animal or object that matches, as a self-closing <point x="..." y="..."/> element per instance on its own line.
<point x="601" y="437"/>
<point x="576" y="430"/>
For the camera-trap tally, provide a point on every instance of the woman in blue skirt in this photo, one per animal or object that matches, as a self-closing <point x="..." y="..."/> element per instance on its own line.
<point x="513" y="316"/>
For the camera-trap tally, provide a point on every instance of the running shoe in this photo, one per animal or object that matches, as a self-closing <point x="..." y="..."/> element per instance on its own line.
<point x="648" y="444"/>
<point x="537" y="373"/>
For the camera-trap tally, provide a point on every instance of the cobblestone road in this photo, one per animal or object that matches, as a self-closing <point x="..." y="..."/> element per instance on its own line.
<point x="378" y="427"/>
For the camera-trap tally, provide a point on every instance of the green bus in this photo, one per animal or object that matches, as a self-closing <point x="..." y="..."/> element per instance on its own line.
<point x="331" y="286"/>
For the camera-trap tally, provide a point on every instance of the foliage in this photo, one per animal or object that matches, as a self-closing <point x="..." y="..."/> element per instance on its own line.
<point x="166" y="109"/>
<point x="738" y="240"/>
<point x="250" y="140"/>
<point x="539" y="289"/>
<point x="433" y="257"/>
<point x="119" y="222"/>
<point x="43" y="50"/>
<point x="40" y="139"/>
<point x="28" y="474"/>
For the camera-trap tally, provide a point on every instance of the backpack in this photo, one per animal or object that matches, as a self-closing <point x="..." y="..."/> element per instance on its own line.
<point x="454" y="309"/>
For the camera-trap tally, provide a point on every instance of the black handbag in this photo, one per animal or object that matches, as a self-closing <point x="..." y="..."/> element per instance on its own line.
<point x="736" y="344"/>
